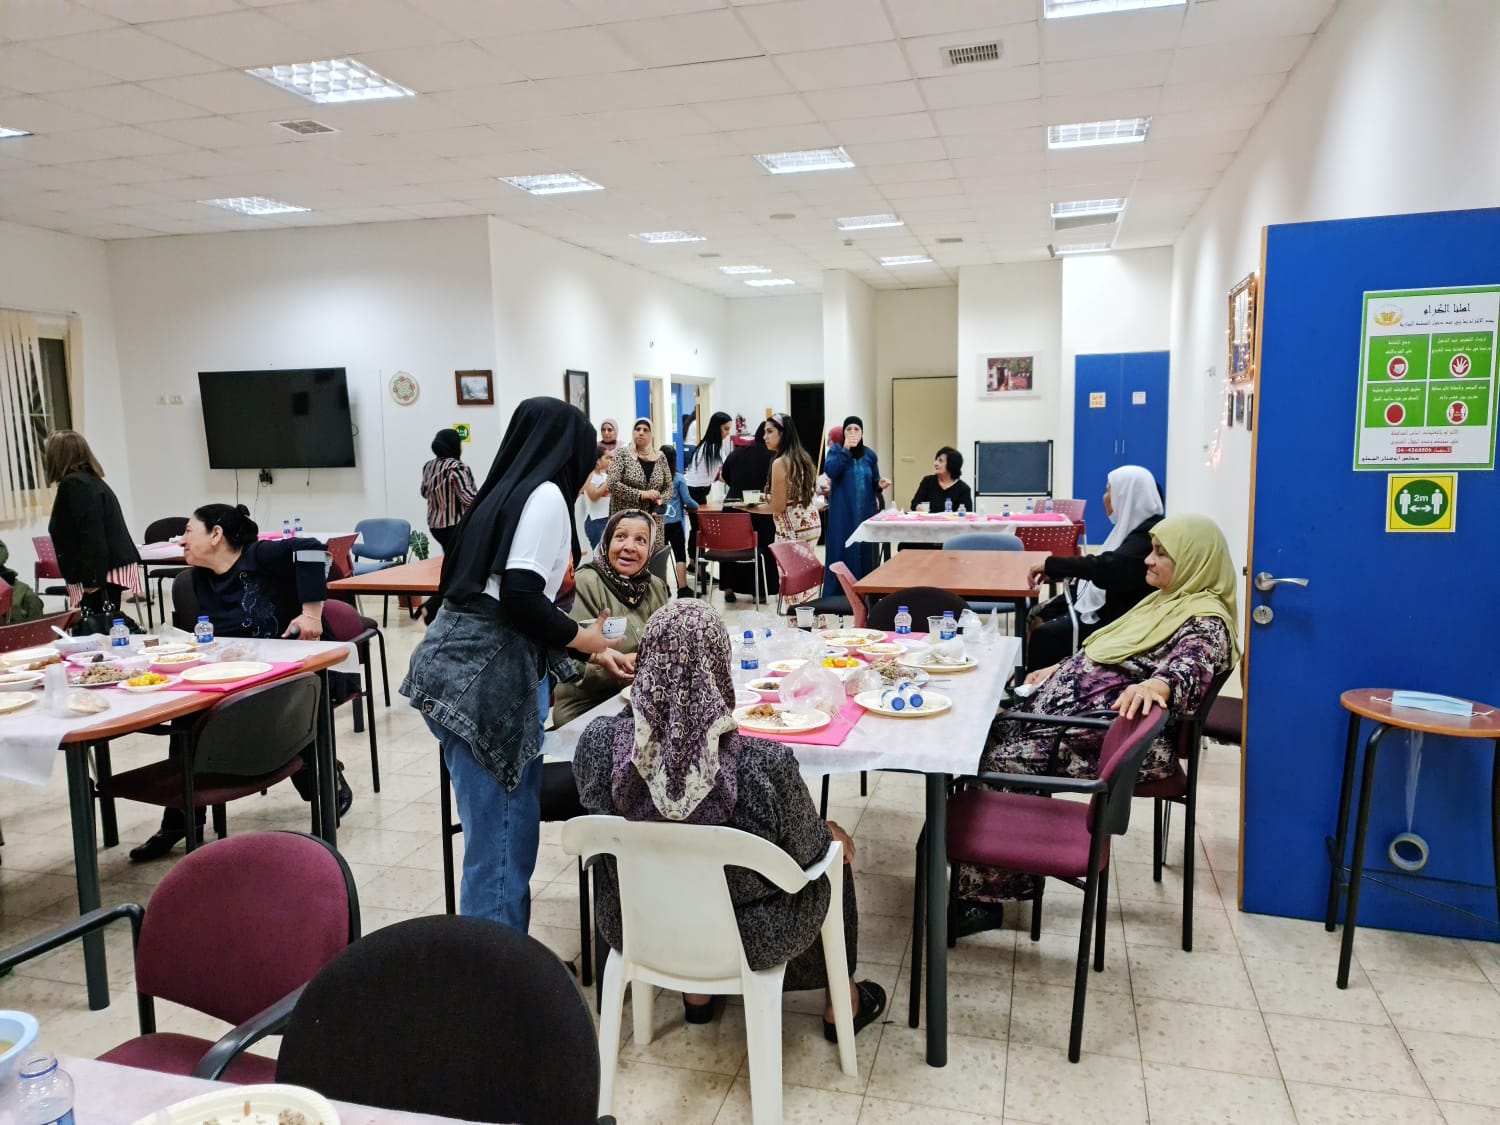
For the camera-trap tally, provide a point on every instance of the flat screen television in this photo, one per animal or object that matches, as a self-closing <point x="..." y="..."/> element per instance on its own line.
<point x="291" y="418"/>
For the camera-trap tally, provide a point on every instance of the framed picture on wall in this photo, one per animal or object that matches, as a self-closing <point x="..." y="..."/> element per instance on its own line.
<point x="474" y="388"/>
<point x="1243" y="311"/>
<point x="576" y="390"/>
<point x="1007" y="376"/>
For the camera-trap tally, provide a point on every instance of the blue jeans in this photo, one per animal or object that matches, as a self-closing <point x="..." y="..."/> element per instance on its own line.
<point x="501" y="829"/>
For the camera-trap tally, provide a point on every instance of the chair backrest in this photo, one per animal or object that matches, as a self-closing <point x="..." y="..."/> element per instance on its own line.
<point x="798" y="567"/>
<point x="37" y="632"/>
<point x="452" y="1016"/>
<point x="1188" y="729"/>
<point x="841" y="571"/>
<point x="259" y="730"/>
<point x="239" y="923"/>
<point x="660" y="564"/>
<point x="725" y="531"/>
<point x="159" y="531"/>
<point x="1125" y="746"/>
<point x="983" y="541"/>
<point x="676" y="914"/>
<point x="339" y="548"/>
<point x="184" y="600"/>
<point x="46" y="557"/>
<point x="7" y="598"/>
<point x="921" y="601"/>
<point x="341" y="621"/>
<point x="383" y="539"/>
<point x="1073" y="509"/>
<point x="1055" y="538"/>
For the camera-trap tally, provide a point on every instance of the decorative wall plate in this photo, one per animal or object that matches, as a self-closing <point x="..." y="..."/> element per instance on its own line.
<point x="404" y="388"/>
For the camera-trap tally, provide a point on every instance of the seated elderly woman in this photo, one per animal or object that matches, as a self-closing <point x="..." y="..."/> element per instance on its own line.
<point x="1165" y="652"/>
<point x="676" y="754"/>
<point x="618" y="583"/>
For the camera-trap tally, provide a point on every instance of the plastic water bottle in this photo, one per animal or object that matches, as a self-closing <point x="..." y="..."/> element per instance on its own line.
<point x="297" y="524"/>
<point x="963" y="510"/>
<point x="1005" y="510"/>
<point x="286" y="529"/>
<point x="913" y="694"/>
<point x="893" y="699"/>
<point x="203" y="632"/>
<point x="749" y="657"/>
<point x="903" y="620"/>
<point x="1049" y="505"/>
<point x="948" y="506"/>
<point x="949" y="628"/>
<point x="119" y="636"/>
<point x="44" y="1094"/>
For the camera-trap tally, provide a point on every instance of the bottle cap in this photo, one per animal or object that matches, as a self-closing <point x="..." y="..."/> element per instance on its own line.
<point x="203" y="617"/>
<point x="119" y="621"/>
<point x="749" y="634"/>
<point x="902" y="609"/>
<point x="38" y="1065"/>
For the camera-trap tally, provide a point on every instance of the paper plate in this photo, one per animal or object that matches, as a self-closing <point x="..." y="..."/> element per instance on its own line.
<point x="147" y="689"/>
<point x="248" y="1105"/>
<point x="785" y="666"/>
<point x="926" y="663"/>
<point x="784" y="721"/>
<point x="884" y="648"/>
<point x="15" y="700"/>
<point x="28" y="655"/>
<point x="168" y="649"/>
<point x="227" y="672"/>
<point x="932" y="704"/>
<point x="19" y="681"/>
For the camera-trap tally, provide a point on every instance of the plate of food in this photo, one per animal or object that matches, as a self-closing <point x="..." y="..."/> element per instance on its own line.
<point x="894" y="673"/>
<point x="92" y="656"/>
<point x="171" y="663"/>
<point x="249" y="1105"/>
<point x="22" y="657"/>
<point x="19" y="681"/>
<point x="930" y="661"/>
<point x="785" y="666"/>
<point x="852" y="638"/>
<point x="932" y="704"/>
<point x="884" y="648"/>
<point x="143" y="682"/>
<point x="98" y="675"/>
<point x="841" y="662"/>
<point x="772" y="718"/>
<point x="14" y="701"/>
<point x="766" y="689"/>
<point x="226" y="672"/>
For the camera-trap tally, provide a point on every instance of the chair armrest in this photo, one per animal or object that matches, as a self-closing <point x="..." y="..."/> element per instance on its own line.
<point x="1044" y="782"/>
<point x="71" y="931"/>
<point x="819" y="868"/>
<point x="234" y="1043"/>
<point x="1093" y="719"/>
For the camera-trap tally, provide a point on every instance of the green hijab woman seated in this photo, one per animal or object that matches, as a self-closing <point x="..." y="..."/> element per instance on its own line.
<point x="617" y="582"/>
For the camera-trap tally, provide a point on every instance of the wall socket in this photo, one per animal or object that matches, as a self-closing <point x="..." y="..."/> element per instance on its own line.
<point x="168" y="400"/>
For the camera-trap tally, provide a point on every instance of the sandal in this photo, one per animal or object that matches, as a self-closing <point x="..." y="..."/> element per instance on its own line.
<point x="871" y="1008"/>
<point x="702" y="1013"/>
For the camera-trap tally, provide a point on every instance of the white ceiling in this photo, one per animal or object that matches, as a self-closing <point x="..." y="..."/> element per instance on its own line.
<point x="139" y="109"/>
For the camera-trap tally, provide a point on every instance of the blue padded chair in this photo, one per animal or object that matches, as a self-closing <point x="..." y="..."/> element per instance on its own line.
<point x="985" y="541"/>
<point x="382" y="543"/>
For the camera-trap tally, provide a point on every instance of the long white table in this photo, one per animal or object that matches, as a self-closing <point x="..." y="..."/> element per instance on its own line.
<point x="938" y="529"/>
<point x="938" y="748"/>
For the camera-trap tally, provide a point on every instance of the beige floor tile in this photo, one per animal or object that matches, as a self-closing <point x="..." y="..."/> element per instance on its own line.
<point x="400" y="888"/>
<point x="1290" y="989"/>
<point x="992" y="951"/>
<point x="878" y="1111"/>
<point x="1359" y="1056"/>
<point x="1054" y="959"/>
<point x="1160" y="923"/>
<point x="1043" y="1086"/>
<point x="1133" y="880"/>
<point x="892" y="824"/>
<point x="1456" y="1068"/>
<point x="1462" y="1113"/>
<point x="978" y="1003"/>
<point x="799" y="1106"/>
<point x="883" y="939"/>
<point x="1439" y="1004"/>
<point x="1335" y="1105"/>
<point x="807" y="1059"/>
<point x="890" y="895"/>
<point x="647" y="1093"/>
<point x="877" y="855"/>
<point x="1287" y="939"/>
<point x="1041" y="1016"/>
<point x="718" y="1047"/>
<point x="975" y="1074"/>
<point x="1196" y="978"/>
<point x="1207" y="1038"/>
<point x="1180" y="1096"/>
<point x="1418" y="955"/>
<point x="384" y="847"/>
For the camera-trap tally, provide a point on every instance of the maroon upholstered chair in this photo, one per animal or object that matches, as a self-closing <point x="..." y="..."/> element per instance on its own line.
<point x="857" y="609"/>
<point x="728" y="537"/>
<point x="235" y="931"/>
<point x="1030" y="833"/>
<point x="342" y="622"/>
<point x="47" y="568"/>
<point x="36" y="632"/>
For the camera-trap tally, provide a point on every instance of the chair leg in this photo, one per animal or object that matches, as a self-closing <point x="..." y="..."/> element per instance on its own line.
<point x="836" y="967"/>
<point x="586" y="953"/>
<point x="385" y="669"/>
<point x="864" y="780"/>
<point x="610" y="1017"/>
<point x="369" y="702"/>
<point x="823" y="801"/>
<point x="221" y="821"/>
<point x="642" y="1011"/>
<point x="1038" y="889"/>
<point x="385" y="612"/>
<point x="1101" y="919"/>
<point x="1158" y="845"/>
<point x="108" y="822"/>
<point x="918" y="926"/>
<point x="445" y="816"/>
<point x="1189" y="855"/>
<point x="763" y="1038"/>
<point x="1081" y="971"/>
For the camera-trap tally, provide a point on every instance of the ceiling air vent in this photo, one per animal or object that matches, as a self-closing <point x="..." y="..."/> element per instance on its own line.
<point x="950" y="241"/>
<point x="974" y="53"/>
<point x="710" y="255"/>
<point x="306" y="127"/>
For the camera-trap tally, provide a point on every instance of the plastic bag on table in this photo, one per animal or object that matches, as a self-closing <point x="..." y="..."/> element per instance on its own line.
<point x="812" y="688"/>
<point x="795" y="644"/>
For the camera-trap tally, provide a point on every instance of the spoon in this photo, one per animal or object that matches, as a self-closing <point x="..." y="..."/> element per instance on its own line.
<point x="61" y="634"/>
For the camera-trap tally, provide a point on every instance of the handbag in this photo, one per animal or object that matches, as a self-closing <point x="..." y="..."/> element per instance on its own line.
<point x="102" y="620"/>
<point x="799" y="522"/>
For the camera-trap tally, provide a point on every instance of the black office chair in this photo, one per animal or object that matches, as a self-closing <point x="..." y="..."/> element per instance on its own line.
<point x="184" y="600"/>
<point x="160" y="531"/>
<point x="455" y="1017"/>
<point x="921" y="602"/>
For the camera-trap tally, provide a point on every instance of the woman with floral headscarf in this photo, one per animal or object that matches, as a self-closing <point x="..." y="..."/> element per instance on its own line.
<point x="675" y="754"/>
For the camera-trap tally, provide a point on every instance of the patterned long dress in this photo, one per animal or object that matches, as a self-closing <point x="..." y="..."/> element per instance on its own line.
<point x="1187" y="662"/>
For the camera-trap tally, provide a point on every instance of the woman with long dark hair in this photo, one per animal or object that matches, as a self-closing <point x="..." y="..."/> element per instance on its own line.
<point x="855" y="494"/>
<point x="95" y="550"/>
<point x="703" y="469"/>
<point x="789" y="491"/>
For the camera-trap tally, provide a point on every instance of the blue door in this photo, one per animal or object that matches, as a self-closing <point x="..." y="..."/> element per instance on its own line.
<point x="1096" y="435"/>
<point x="642" y="404"/>
<point x="1382" y="610"/>
<point x="1144" y="378"/>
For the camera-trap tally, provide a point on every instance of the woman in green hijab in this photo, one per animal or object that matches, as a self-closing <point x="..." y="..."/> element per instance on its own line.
<point x="1165" y="652"/>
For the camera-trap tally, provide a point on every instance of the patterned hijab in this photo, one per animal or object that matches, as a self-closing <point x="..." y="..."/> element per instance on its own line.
<point x="683" y="703"/>
<point x="629" y="588"/>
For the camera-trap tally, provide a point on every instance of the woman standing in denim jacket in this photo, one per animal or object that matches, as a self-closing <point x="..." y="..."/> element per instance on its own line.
<point x="481" y="675"/>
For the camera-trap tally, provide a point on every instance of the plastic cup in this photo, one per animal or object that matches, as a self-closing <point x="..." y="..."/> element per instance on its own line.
<point x="804" y="617"/>
<point x="934" y="627"/>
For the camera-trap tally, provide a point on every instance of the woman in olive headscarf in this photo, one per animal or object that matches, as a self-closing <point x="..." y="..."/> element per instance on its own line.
<point x="1165" y="652"/>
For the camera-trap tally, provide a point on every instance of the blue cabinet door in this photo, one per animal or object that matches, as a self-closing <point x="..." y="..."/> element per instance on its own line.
<point x="1096" y="434"/>
<point x="1144" y="380"/>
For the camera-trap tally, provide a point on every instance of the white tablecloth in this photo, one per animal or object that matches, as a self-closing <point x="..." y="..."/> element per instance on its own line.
<point x="939" y="529"/>
<point x="946" y="743"/>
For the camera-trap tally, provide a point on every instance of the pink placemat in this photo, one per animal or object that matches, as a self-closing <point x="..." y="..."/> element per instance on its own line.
<point x="831" y="735"/>
<point x="277" y="670"/>
<point x="1030" y="517"/>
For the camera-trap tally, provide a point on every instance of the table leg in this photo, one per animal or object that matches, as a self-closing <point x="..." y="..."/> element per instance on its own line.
<point x="1018" y="614"/>
<point x="1341" y="834"/>
<point x="1357" y="860"/>
<point x="86" y="868"/>
<point x="1495" y="822"/>
<point x="937" y="919"/>
<point x="328" y="797"/>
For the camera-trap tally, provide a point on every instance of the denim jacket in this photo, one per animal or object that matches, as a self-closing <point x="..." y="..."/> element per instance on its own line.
<point x="476" y="676"/>
<point x="680" y="503"/>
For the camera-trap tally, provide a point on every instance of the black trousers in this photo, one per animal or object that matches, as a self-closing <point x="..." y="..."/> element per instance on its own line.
<point x="444" y="536"/>
<point x="700" y="496"/>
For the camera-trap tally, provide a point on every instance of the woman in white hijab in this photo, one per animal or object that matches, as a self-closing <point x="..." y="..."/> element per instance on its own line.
<point x="1110" y="582"/>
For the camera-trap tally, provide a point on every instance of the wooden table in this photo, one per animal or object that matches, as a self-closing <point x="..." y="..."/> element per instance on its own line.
<point x="420" y="577"/>
<point x="1375" y="704"/>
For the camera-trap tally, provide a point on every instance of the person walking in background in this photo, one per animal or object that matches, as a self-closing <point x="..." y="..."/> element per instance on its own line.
<point x="596" y="495"/>
<point x="447" y="486"/>
<point x="854" y="495"/>
<point x="638" y="478"/>
<point x="700" y="473"/>
<point x="679" y="503"/>
<point x="95" y="550"/>
<point x="789" y="492"/>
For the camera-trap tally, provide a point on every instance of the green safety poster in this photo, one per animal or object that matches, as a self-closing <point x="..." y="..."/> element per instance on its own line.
<point x="1427" y="379"/>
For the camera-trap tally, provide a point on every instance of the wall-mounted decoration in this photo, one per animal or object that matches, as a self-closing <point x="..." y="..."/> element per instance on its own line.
<point x="404" y="388"/>
<point x="462" y="429"/>
<point x="1250" y="411"/>
<point x="576" y="389"/>
<point x="1239" y="407"/>
<point x="1229" y="409"/>
<point x="1243" y="311"/>
<point x="1004" y="376"/>
<point x="475" y="388"/>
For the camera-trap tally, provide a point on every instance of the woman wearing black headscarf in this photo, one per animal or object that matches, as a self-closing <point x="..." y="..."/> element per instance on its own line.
<point x="447" y="486"/>
<point x="854" y="495"/>
<point x="481" y="675"/>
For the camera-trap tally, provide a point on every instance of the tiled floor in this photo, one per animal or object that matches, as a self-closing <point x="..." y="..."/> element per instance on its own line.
<point x="1248" y="1028"/>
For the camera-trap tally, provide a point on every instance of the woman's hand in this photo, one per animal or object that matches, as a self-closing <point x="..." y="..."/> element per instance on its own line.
<point x="1035" y="575"/>
<point x="591" y="639"/>
<point x="1041" y="674"/>
<point x="651" y="494"/>
<point x="842" y="837"/>
<point x="1140" y="698"/>
<point x="305" y="627"/>
<point x="620" y="665"/>
<point x="885" y="483"/>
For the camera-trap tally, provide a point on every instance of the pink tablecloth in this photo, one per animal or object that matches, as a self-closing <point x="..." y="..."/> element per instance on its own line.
<point x="993" y="517"/>
<point x="831" y="735"/>
<point x="280" y="668"/>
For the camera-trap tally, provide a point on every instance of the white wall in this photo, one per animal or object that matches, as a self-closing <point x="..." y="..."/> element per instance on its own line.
<point x="59" y="273"/>
<point x="916" y="334"/>
<point x="769" y="343"/>
<point x="1390" y="111"/>
<point x="848" y="347"/>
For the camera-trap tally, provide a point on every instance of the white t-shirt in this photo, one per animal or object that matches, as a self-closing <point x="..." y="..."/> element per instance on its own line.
<point x="543" y="542"/>
<point x="597" y="509"/>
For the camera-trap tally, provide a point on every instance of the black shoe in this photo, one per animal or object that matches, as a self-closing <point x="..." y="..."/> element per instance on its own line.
<point x="729" y="597"/>
<point x="346" y="796"/>
<point x="969" y="918"/>
<point x="684" y="592"/>
<point x="702" y="1013"/>
<point x="871" y="1007"/>
<point x="161" y="844"/>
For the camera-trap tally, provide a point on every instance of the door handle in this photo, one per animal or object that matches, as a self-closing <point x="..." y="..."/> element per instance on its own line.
<point x="1266" y="583"/>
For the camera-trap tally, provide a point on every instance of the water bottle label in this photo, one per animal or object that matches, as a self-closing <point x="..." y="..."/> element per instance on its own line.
<point x="749" y="665"/>
<point x="65" y="1119"/>
<point x="903" y="629"/>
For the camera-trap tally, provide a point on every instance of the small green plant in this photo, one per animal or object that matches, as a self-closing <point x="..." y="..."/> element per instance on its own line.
<point x="419" y="544"/>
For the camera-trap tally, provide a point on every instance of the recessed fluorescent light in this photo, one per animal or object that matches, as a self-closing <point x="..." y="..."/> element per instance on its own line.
<point x="735" y="271"/>
<point x="331" y="81"/>
<point x="4" y="132"/>
<point x="869" y="222"/>
<point x="1123" y="131"/>
<point x="1063" y="9"/>
<point x="762" y="282"/>
<point x="1080" y="208"/>
<point x="905" y="260"/>
<point x="1081" y="248"/>
<point x="552" y="183"/>
<point x="254" y="205"/>
<point x="655" y="237"/>
<point x="807" y="160"/>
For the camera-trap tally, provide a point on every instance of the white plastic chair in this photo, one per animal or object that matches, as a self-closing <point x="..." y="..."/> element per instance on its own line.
<point x="679" y="932"/>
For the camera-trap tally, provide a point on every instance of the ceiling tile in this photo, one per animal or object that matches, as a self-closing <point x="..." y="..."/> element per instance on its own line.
<point x="65" y="148"/>
<point x="126" y="140"/>
<point x="1229" y="21"/>
<point x="229" y="91"/>
<point x="33" y="71"/>
<point x="556" y="54"/>
<point x="982" y="87"/>
<point x="781" y="138"/>
<point x="45" y="115"/>
<point x="1116" y="72"/>
<point x="927" y="17"/>
<point x="1258" y="56"/>
<point x="1257" y="90"/>
<point x="615" y="11"/>
<point x="127" y="103"/>
<point x="867" y="101"/>
<point x="1119" y="33"/>
<point x="510" y="101"/>
<point x="149" y="11"/>
<point x="864" y="65"/>
<point x="898" y="152"/>
<point x="803" y="25"/>
<point x="929" y="59"/>
<point x="443" y="66"/>
<point x="988" y="118"/>
<point x="351" y="26"/>
<point x="476" y="19"/>
<point x="709" y="82"/>
<point x="28" y="19"/>
<point x="1101" y="106"/>
<point x="215" y="132"/>
<point x="1032" y="140"/>
<point x="653" y="124"/>
<point x="758" y="113"/>
<point x="709" y="36"/>
<point x="127" y="53"/>
<point x="879" y="130"/>
<point x="243" y="39"/>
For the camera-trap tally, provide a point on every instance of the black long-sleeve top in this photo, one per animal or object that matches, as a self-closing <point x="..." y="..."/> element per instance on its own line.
<point x="934" y="495"/>
<point x="88" y="529"/>
<point x="1120" y="573"/>
<point x="265" y="588"/>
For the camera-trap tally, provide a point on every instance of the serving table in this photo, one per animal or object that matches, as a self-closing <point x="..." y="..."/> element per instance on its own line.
<point x="939" y="527"/>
